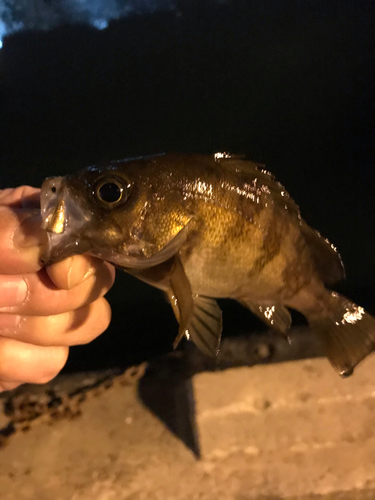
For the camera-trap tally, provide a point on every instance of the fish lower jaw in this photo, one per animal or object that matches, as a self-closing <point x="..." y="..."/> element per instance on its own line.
<point x="60" y="247"/>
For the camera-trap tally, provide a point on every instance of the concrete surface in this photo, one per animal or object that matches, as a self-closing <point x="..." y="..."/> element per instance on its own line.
<point x="285" y="431"/>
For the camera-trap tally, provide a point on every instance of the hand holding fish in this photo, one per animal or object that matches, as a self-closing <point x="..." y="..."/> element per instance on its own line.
<point x="43" y="311"/>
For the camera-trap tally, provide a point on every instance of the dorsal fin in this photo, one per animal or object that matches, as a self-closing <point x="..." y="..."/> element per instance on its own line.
<point x="326" y="259"/>
<point x="257" y="170"/>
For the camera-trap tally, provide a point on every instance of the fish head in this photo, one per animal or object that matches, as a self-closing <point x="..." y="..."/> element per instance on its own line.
<point x="128" y="213"/>
<point x="86" y="212"/>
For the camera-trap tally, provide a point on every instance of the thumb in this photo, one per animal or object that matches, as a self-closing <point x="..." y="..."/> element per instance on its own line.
<point x="20" y="197"/>
<point x="22" y="237"/>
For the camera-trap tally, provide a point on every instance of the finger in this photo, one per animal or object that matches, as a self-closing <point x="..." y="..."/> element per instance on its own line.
<point x="22" y="240"/>
<point x="20" y="197"/>
<point x="9" y="386"/>
<point x="40" y="297"/>
<point x="22" y="362"/>
<point x="73" y="270"/>
<point x="71" y="328"/>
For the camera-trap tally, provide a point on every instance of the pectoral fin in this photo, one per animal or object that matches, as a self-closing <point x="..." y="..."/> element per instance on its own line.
<point x="205" y="325"/>
<point x="181" y="298"/>
<point x="199" y="317"/>
<point x="276" y="316"/>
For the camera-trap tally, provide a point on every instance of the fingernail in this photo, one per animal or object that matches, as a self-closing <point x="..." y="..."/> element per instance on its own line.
<point x="29" y="233"/>
<point x="90" y="270"/>
<point x="80" y="270"/>
<point x="70" y="273"/>
<point x="13" y="291"/>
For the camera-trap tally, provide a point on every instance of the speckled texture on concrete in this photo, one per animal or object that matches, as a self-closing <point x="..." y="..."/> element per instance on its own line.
<point x="286" y="431"/>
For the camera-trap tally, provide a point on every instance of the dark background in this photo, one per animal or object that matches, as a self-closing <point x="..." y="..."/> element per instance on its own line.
<point x="289" y="83"/>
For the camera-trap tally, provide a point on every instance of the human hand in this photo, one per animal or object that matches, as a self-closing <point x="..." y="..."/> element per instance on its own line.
<point x="43" y="311"/>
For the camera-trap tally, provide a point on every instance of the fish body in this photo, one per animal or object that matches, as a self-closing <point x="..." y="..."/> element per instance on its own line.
<point x="201" y="227"/>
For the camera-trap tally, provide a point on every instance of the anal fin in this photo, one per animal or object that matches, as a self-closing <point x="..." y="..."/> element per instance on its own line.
<point x="275" y="315"/>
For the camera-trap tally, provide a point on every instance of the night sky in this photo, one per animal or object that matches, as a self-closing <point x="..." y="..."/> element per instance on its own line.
<point x="289" y="83"/>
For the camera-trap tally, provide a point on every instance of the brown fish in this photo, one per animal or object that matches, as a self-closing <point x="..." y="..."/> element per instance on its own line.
<point x="201" y="227"/>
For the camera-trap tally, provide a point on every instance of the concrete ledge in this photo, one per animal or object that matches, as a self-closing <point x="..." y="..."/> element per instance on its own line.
<point x="303" y="428"/>
<point x="291" y="430"/>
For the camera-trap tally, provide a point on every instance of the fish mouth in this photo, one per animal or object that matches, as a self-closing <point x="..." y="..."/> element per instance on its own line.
<point x="63" y="219"/>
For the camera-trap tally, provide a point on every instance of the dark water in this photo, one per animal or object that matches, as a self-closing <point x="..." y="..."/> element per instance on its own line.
<point x="292" y="84"/>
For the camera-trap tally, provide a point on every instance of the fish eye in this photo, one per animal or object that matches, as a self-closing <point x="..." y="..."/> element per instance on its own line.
<point x="110" y="192"/>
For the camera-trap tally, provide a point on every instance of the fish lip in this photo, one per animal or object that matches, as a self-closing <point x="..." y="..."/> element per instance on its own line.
<point x="64" y="238"/>
<point x="46" y="258"/>
<point x="51" y="194"/>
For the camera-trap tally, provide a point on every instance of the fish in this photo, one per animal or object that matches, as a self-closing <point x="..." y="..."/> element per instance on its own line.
<point x="204" y="227"/>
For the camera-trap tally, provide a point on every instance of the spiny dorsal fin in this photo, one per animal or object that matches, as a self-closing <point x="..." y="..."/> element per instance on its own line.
<point x="257" y="171"/>
<point x="326" y="259"/>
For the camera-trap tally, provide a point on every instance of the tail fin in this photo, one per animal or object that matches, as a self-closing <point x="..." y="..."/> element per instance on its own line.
<point x="347" y="334"/>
